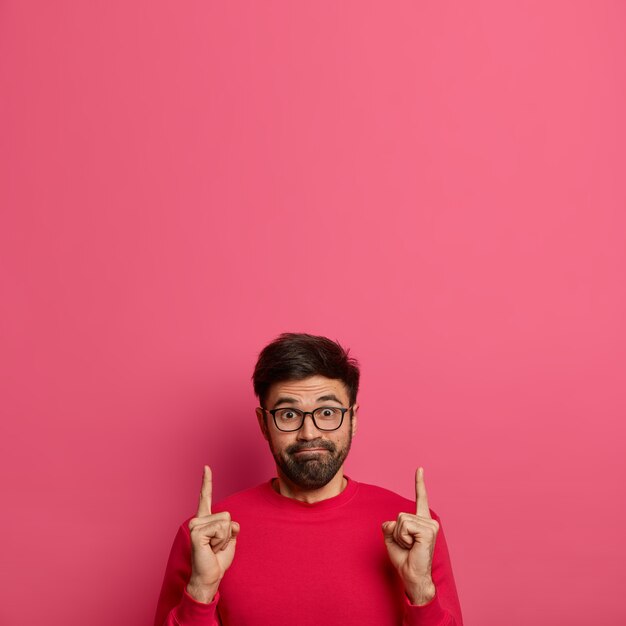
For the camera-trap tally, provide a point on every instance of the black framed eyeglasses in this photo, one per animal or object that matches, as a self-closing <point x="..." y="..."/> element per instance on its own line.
<point x="324" y="418"/>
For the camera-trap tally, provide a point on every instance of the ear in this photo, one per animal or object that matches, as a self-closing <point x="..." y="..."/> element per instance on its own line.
<point x="262" y="424"/>
<point x="355" y="409"/>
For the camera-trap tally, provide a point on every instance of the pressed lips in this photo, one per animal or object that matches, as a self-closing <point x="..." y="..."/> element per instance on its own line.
<point x="312" y="447"/>
<point x="311" y="450"/>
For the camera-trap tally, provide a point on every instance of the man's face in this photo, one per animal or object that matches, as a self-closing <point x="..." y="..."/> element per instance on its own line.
<point x="308" y="457"/>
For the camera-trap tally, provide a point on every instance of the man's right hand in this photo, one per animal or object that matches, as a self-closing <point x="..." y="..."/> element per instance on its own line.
<point x="213" y="539"/>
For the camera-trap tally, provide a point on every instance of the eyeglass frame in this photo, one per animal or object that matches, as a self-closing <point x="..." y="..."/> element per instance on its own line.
<point x="304" y="414"/>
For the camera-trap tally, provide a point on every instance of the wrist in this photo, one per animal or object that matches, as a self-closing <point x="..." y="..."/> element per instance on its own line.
<point x="202" y="592"/>
<point x="421" y="593"/>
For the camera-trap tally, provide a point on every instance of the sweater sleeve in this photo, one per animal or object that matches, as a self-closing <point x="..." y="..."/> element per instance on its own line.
<point x="444" y="609"/>
<point x="175" y="606"/>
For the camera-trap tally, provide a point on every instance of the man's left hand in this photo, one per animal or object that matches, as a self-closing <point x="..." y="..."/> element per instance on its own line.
<point x="410" y="543"/>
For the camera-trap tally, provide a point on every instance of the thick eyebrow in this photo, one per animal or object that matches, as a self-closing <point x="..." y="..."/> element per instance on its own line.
<point x="286" y="400"/>
<point x="330" y="397"/>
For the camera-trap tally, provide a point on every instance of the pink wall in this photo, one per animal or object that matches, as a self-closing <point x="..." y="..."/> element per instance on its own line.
<point x="438" y="185"/>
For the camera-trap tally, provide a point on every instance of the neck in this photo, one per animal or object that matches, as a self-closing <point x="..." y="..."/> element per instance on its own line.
<point x="287" y="488"/>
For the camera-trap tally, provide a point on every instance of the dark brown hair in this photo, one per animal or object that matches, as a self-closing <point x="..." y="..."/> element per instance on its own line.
<point x="295" y="356"/>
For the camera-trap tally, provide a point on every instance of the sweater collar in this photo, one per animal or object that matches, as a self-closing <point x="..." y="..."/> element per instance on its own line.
<point x="323" y="505"/>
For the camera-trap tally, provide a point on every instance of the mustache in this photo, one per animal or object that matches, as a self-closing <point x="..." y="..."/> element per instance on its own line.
<point x="307" y="445"/>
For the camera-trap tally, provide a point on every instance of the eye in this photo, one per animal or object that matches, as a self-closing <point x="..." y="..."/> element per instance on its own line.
<point x="328" y="412"/>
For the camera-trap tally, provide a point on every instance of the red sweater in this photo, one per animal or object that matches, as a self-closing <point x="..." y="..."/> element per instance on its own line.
<point x="309" y="564"/>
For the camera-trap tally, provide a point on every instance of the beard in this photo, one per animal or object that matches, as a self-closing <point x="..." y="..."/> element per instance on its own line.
<point x="315" y="470"/>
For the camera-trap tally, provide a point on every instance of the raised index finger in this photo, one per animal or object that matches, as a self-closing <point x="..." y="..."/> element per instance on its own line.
<point x="204" y="505"/>
<point x="420" y="494"/>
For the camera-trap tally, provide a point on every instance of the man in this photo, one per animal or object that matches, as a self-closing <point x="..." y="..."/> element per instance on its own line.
<point x="311" y="546"/>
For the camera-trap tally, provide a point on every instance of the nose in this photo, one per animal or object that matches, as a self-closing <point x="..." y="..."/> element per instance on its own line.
<point x="308" y="430"/>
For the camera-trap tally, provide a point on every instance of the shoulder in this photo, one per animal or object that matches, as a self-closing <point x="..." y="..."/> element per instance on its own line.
<point x="385" y="498"/>
<point x="236" y="503"/>
<point x="380" y="494"/>
<point x="243" y="499"/>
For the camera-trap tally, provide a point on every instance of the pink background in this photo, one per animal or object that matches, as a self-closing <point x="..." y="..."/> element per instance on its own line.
<point x="439" y="185"/>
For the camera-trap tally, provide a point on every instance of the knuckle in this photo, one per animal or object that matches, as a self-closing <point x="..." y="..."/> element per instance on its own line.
<point x="205" y="528"/>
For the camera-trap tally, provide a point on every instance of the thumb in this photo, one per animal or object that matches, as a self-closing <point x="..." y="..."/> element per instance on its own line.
<point x="388" y="528"/>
